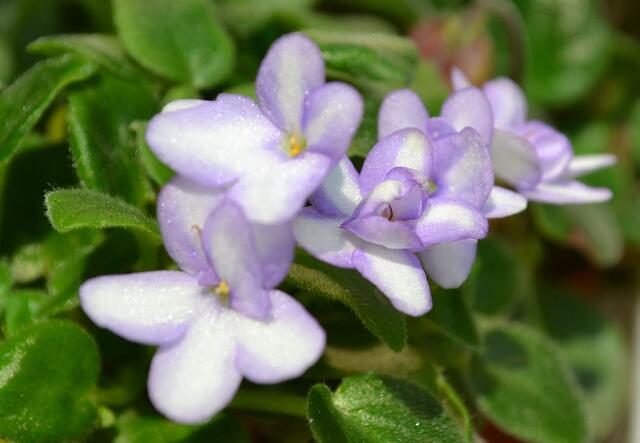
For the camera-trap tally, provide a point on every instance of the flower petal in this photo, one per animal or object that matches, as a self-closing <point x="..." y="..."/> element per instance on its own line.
<point x="567" y="192"/>
<point x="508" y="103"/>
<point x="183" y="207"/>
<point x="275" y="248"/>
<point x="585" y="164"/>
<point x="381" y="231"/>
<point x="195" y="378"/>
<point x="277" y="192"/>
<point x="401" y="109"/>
<point x="458" y="79"/>
<point x="503" y="203"/>
<point x="186" y="103"/>
<point x="150" y="307"/>
<point x="228" y="243"/>
<point x="449" y="264"/>
<point x="292" y="67"/>
<point x="515" y="160"/>
<point x="408" y="148"/>
<point x="332" y="115"/>
<point x="469" y="108"/>
<point x="323" y="237"/>
<point x="339" y="193"/>
<point x="398" y="274"/>
<point x="448" y="221"/>
<point x="462" y="167"/>
<point x="553" y="148"/>
<point x="281" y="348"/>
<point x="215" y="143"/>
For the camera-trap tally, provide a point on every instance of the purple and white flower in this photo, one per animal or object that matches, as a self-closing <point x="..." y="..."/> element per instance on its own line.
<point x="270" y="156"/>
<point x="533" y="157"/>
<point x="461" y="136"/>
<point x="404" y="201"/>
<point x="218" y="320"/>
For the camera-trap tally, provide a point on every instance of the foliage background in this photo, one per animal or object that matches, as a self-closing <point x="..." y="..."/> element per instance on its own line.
<point x="534" y="347"/>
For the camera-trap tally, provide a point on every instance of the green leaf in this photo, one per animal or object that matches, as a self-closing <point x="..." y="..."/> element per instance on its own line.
<point x="51" y="408"/>
<point x="371" y="408"/>
<point x="183" y="41"/>
<point x="451" y="315"/>
<point x="525" y="387"/>
<point x="566" y="55"/>
<point x="348" y="287"/>
<point x="24" y="101"/>
<point x="143" y="429"/>
<point x="375" y="62"/>
<point x="596" y="352"/>
<point x="158" y="171"/>
<point x="20" y="309"/>
<point x="102" y="144"/>
<point x="494" y="284"/>
<point x="70" y="209"/>
<point x="104" y="50"/>
<point x="592" y="229"/>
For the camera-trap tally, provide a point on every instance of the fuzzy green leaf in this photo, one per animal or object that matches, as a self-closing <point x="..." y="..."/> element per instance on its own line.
<point x="183" y="41"/>
<point x="70" y="209"/>
<point x="24" y="101"/>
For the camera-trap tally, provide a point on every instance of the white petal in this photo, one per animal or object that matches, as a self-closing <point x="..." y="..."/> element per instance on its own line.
<point x="339" y="193"/>
<point x="401" y="109"/>
<point x="584" y="164"/>
<point x="398" y="274"/>
<point x="449" y="264"/>
<point x="567" y="193"/>
<point x="149" y="307"/>
<point x="503" y="203"/>
<point x="515" y="160"/>
<point x="195" y="378"/>
<point x="281" y="348"/>
<point x="323" y="237"/>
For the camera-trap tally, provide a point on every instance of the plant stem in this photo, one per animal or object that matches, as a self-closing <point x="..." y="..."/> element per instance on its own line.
<point x="270" y="401"/>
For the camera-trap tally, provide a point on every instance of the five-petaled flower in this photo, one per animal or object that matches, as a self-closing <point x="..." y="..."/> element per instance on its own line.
<point x="271" y="157"/>
<point x="217" y="321"/>
<point x="532" y="156"/>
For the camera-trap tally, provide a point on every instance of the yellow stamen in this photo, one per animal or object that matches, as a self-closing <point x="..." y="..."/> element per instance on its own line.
<point x="296" y="145"/>
<point x="222" y="289"/>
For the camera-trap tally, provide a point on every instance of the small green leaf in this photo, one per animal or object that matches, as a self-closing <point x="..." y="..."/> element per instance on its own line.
<point x="51" y="408"/>
<point x="183" y="41"/>
<point x="566" y="55"/>
<point x="104" y="50"/>
<point x="375" y="62"/>
<point x="102" y="144"/>
<point x="596" y="352"/>
<point x="143" y="429"/>
<point x="158" y="171"/>
<point x="371" y="408"/>
<point x="525" y="387"/>
<point x="24" y="101"/>
<point x="451" y="315"/>
<point x="20" y="309"/>
<point x="70" y="209"/>
<point x="347" y="286"/>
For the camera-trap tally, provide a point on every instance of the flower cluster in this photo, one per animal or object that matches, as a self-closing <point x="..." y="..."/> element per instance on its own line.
<point x="231" y="217"/>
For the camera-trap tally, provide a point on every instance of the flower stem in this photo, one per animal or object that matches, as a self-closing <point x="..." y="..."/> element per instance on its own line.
<point x="270" y="401"/>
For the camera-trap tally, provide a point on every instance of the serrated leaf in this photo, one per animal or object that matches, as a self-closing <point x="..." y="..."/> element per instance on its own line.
<point x="183" y="41"/>
<point x="371" y="408"/>
<point x="70" y="209"/>
<point x="348" y="287"/>
<point x="102" y="144"/>
<point x="525" y="387"/>
<point x="104" y="50"/>
<point x="375" y="62"/>
<point x="25" y="100"/>
<point x="596" y="352"/>
<point x="53" y="408"/>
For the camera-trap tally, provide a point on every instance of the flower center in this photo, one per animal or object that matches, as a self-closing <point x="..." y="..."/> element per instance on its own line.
<point x="222" y="290"/>
<point x="297" y="144"/>
<point x="387" y="212"/>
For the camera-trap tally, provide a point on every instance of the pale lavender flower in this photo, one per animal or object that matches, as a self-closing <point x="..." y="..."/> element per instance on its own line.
<point x="461" y="136"/>
<point x="533" y="157"/>
<point x="218" y="320"/>
<point x="402" y="202"/>
<point x="270" y="157"/>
